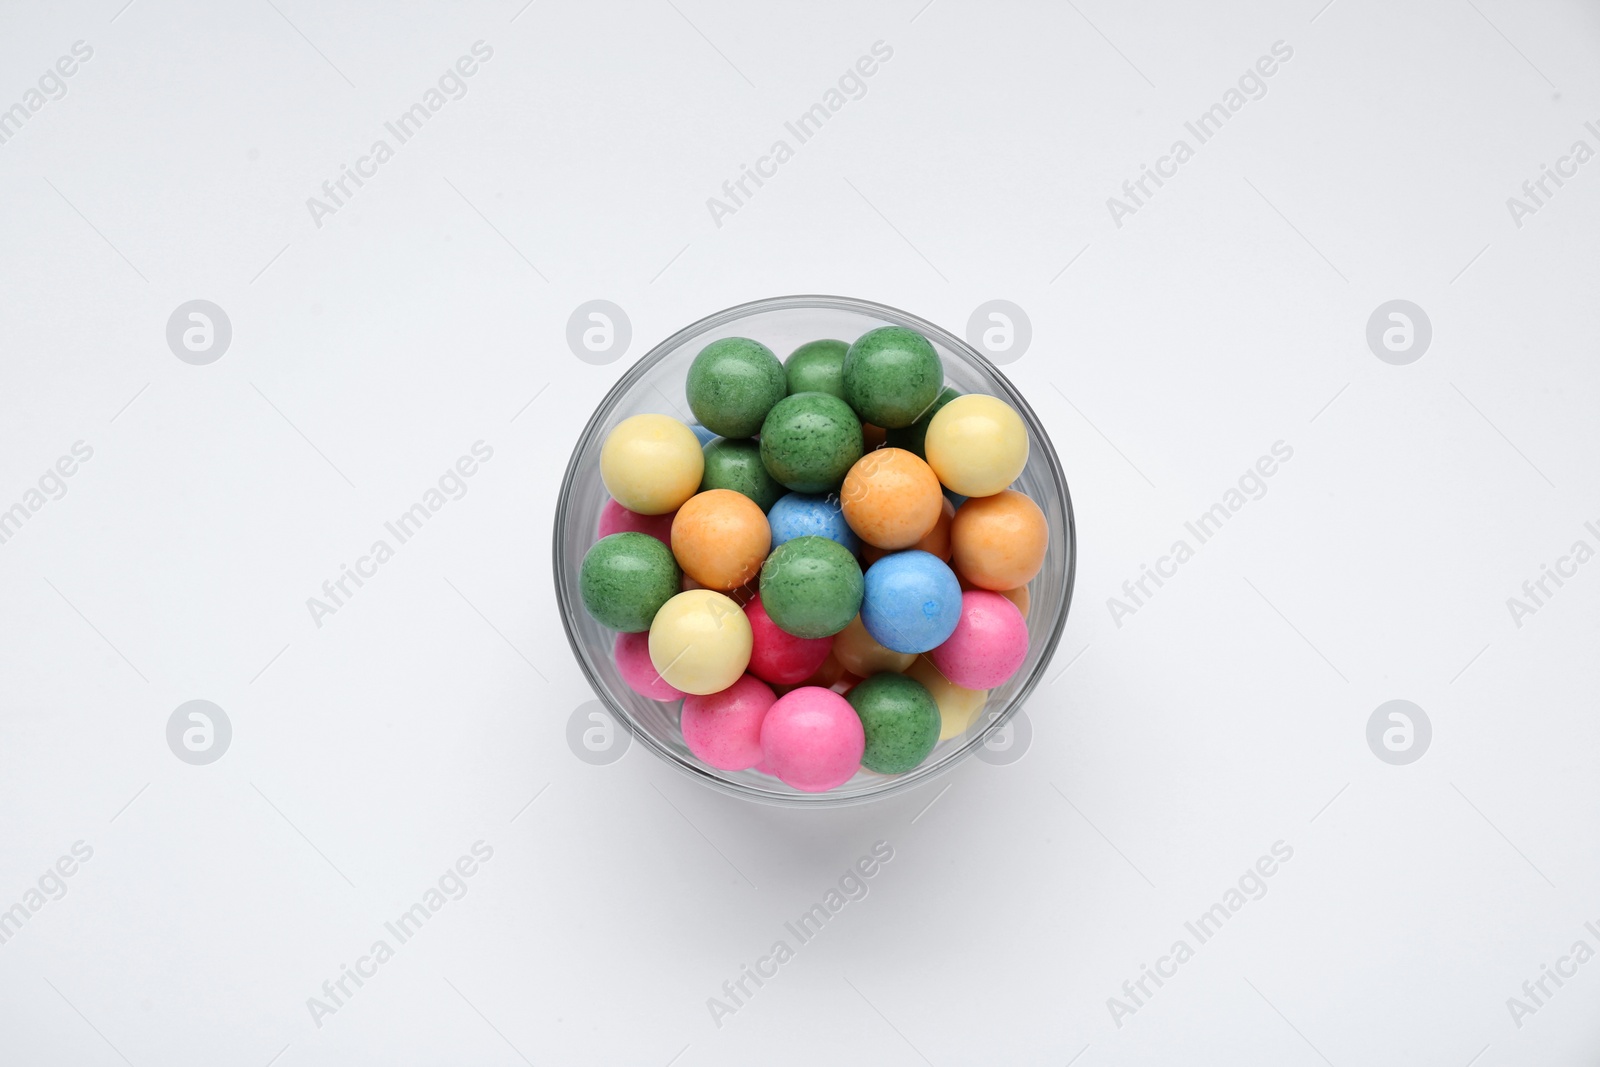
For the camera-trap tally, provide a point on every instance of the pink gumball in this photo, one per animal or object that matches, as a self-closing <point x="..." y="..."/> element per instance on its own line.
<point x="812" y="739"/>
<point x="632" y="653"/>
<point x="989" y="643"/>
<point x="614" y="518"/>
<point x="724" y="729"/>
<point x="778" y="657"/>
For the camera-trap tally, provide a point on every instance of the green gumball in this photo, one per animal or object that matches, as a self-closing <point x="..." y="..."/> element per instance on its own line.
<point x="913" y="438"/>
<point x="892" y="376"/>
<point x="625" y="578"/>
<point x="732" y="384"/>
<point x="810" y="441"/>
<point x="736" y="465"/>
<point x="817" y="367"/>
<point x="811" y="586"/>
<point x="900" y="719"/>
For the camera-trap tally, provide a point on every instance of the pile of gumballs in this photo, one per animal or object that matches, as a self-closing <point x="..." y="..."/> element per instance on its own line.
<point x="829" y="570"/>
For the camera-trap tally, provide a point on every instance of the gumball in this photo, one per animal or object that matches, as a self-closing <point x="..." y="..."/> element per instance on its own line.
<point x="614" y="518"/>
<point x="720" y="538"/>
<point x="988" y="644"/>
<point x="828" y="675"/>
<point x="732" y="384"/>
<point x="999" y="542"/>
<point x="812" y="739"/>
<point x="958" y="706"/>
<point x="1018" y="596"/>
<point x="811" y="586"/>
<point x="817" y="367"/>
<point x="779" y="657"/>
<point x="700" y="641"/>
<point x="740" y="596"/>
<point x="911" y="438"/>
<point x="977" y="445"/>
<point x="632" y="653"/>
<point x="803" y="514"/>
<point x="892" y="376"/>
<point x="899" y="719"/>
<point x="859" y="653"/>
<point x="937" y="540"/>
<point x="724" y="728"/>
<point x="651" y="464"/>
<point x="891" y="498"/>
<point x="625" y="578"/>
<point x="911" y="601"/>
<point x="809" y="441"/>
<point x="701" y="434"/>
<point x="736" y="464"/>
<point x="872" y="437"/>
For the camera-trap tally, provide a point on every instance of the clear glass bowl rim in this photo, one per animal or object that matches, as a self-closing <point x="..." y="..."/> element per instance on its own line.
<point x="566" y="585"/>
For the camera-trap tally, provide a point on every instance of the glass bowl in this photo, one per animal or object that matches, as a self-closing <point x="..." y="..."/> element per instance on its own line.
<point x="655" y="384"/>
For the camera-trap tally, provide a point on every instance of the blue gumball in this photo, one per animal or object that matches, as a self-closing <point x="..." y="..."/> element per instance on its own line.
<point x="810" y="515"/>
<point x="704" y="435"/>
<point x="912" y="601"/>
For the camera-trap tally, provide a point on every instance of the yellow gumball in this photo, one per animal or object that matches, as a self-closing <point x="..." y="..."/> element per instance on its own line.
<point x="651" y="464"/>
<point x="977" y="445"/>
<point x="860" y="654"/>
<point x="958" y="707"/>
<point x="700" y="642"/>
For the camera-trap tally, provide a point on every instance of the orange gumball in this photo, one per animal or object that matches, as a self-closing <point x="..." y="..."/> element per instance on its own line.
<point x="721" y="539"/>
<point x="998" y="542"/>
<point x="891" y="498"/>
<point x="872" y="437"/>
<point x="936" y="540"/>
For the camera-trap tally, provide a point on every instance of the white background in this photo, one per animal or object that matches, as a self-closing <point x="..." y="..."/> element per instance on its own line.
<point x="368" y="354"/>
